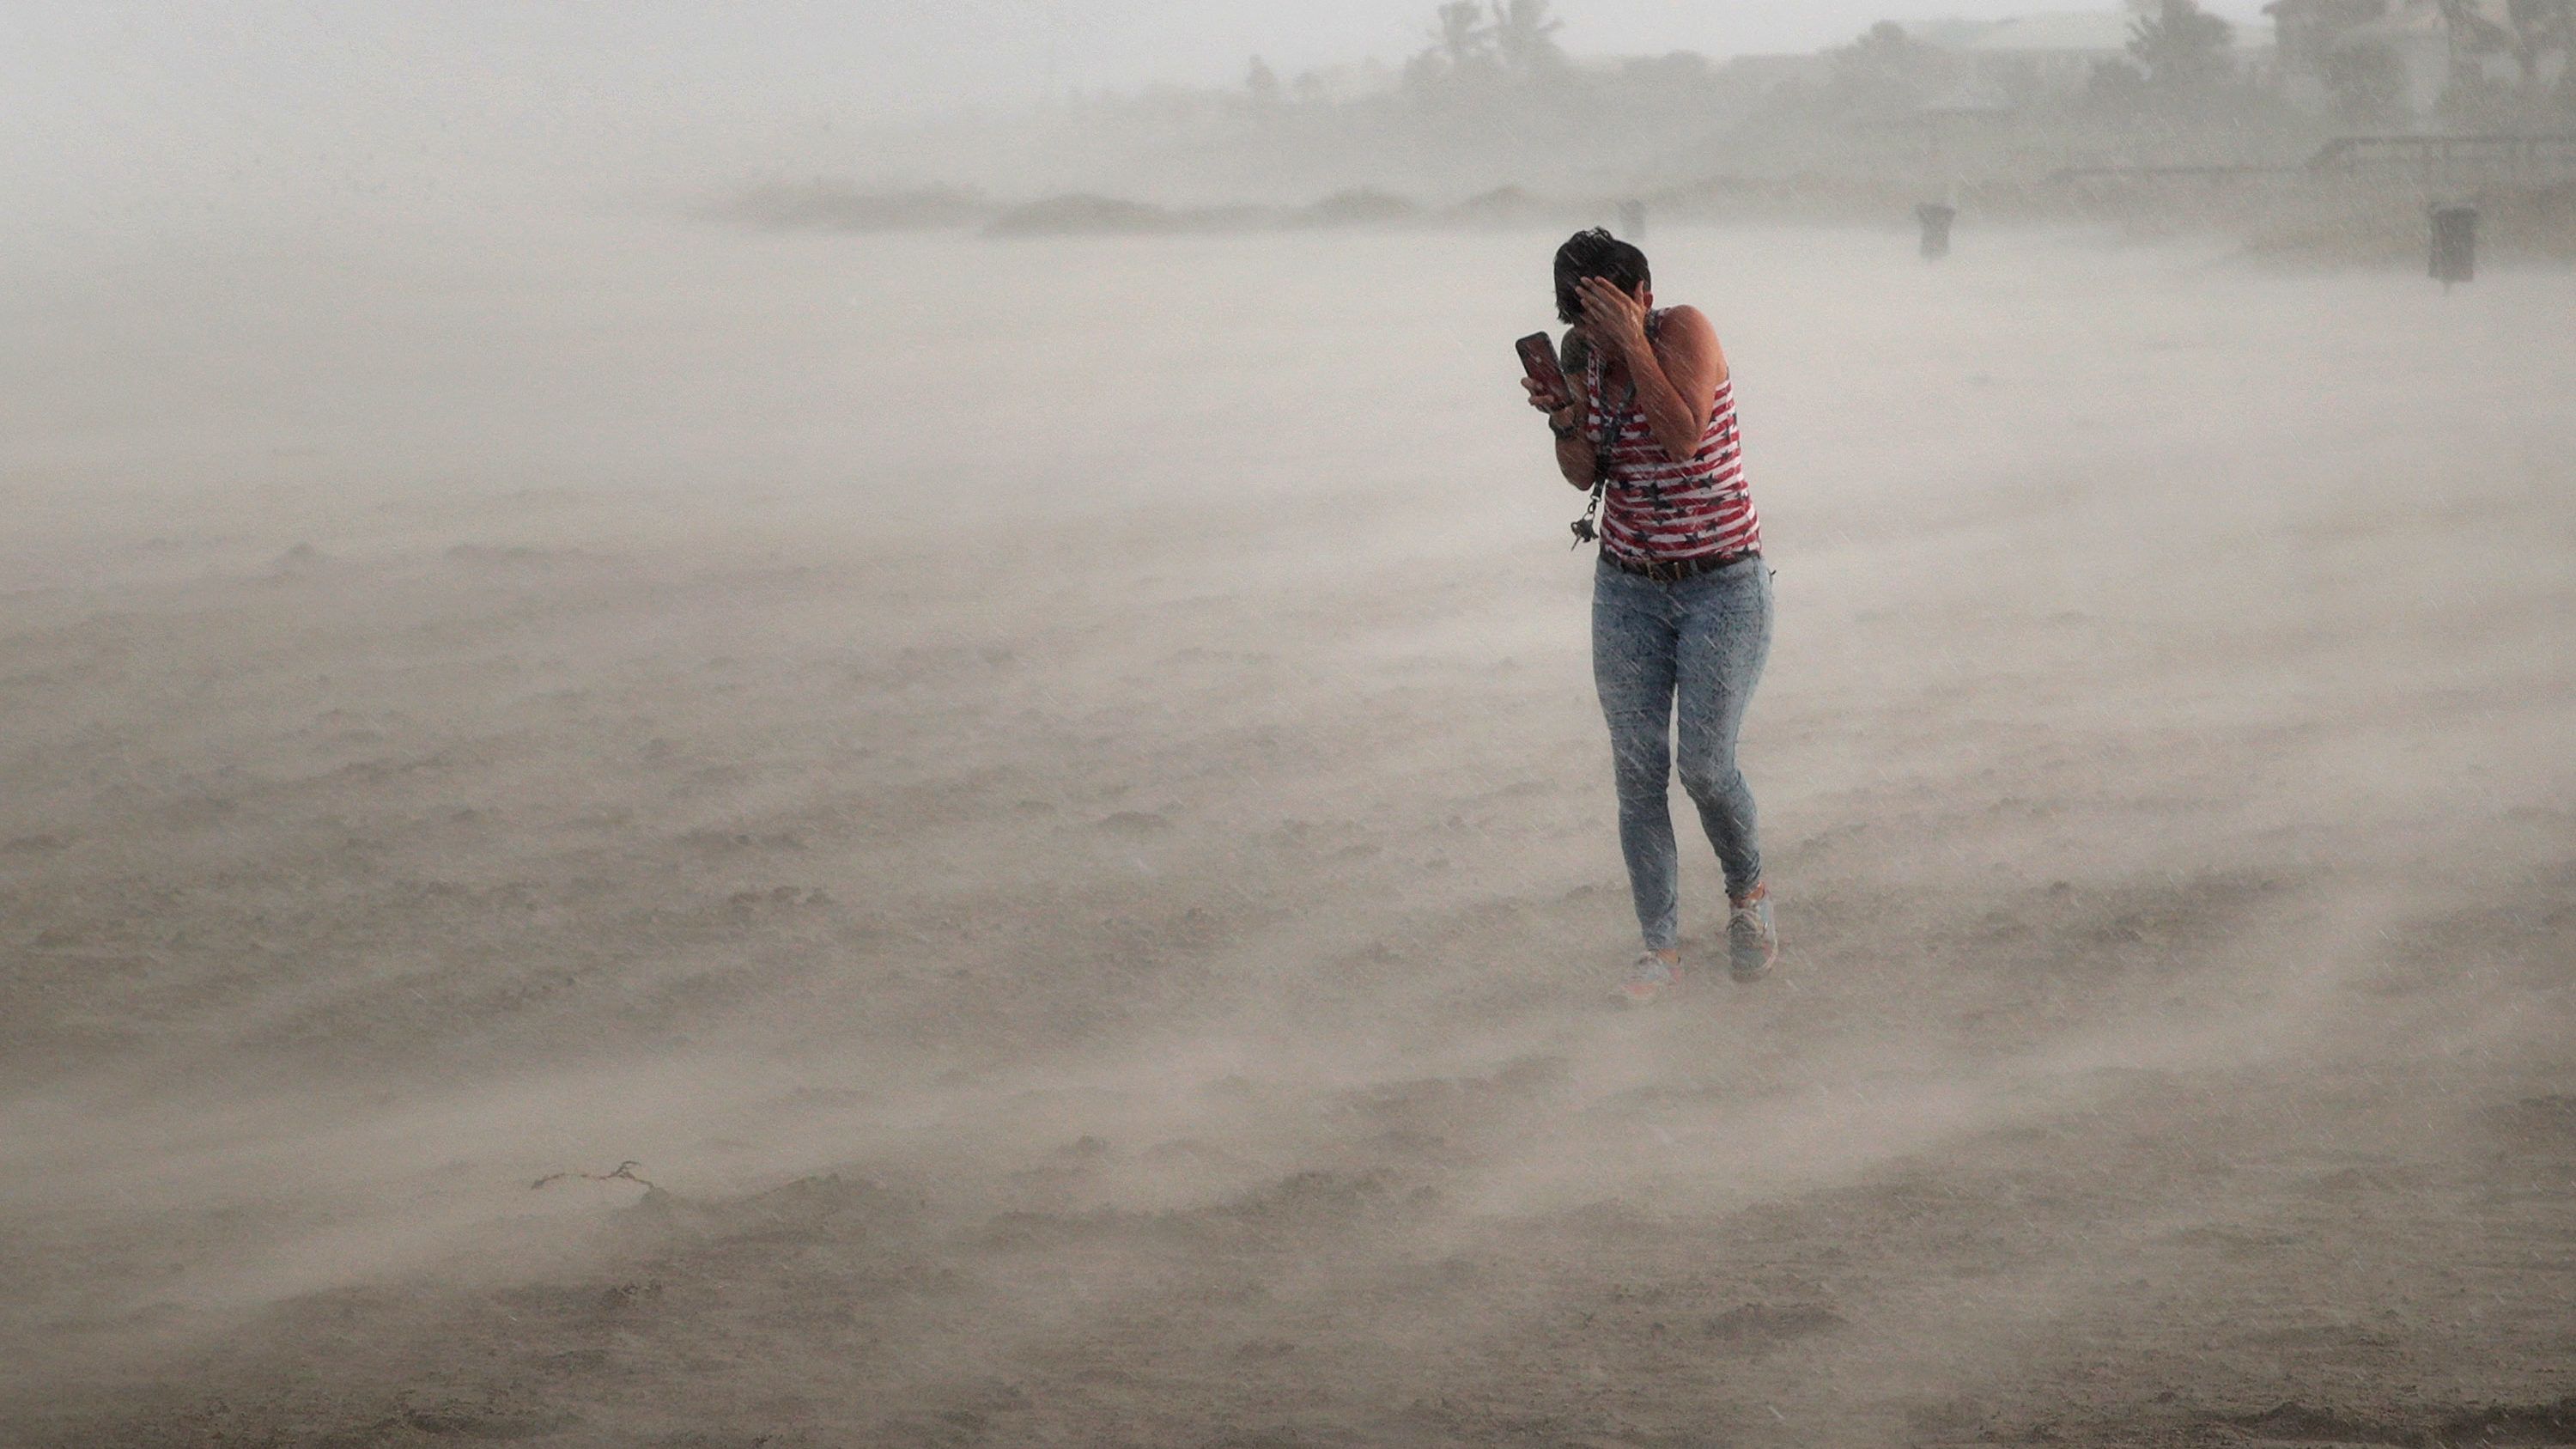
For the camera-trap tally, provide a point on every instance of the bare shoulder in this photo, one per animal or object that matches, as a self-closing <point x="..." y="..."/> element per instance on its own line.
<point x="1688" y="337"/>
<point x="1688" y="324"/>
<point x="1575" y="354"/>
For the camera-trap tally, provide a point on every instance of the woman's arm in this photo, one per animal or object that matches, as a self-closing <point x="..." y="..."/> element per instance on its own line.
<point x="1677" y="373"/>
<point x="1677" y="379"/>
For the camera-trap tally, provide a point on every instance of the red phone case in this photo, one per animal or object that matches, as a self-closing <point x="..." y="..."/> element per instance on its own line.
<point x="1538" y="359"/>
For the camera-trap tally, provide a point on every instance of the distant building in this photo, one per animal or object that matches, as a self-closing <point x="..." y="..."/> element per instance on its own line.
<point x="2060" y="49"/>
<point x="2056" y="52"/>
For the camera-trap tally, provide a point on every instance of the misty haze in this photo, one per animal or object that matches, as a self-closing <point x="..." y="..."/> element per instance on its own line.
<point x="826" y="727"/>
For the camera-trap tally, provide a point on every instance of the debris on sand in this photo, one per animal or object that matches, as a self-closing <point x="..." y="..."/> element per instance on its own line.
<point x="622" y="1172"/>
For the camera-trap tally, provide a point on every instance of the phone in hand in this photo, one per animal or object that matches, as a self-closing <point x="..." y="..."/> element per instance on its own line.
<point x="1538" y="359"/>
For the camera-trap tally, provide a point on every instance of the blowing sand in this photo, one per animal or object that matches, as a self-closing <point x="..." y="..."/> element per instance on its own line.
<point x="1046" y="797"/>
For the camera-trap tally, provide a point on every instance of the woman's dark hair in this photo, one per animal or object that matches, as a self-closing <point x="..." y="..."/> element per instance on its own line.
<point x="1595" y="253"/>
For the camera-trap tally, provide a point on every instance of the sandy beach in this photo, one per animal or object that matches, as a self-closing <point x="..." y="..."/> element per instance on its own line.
<point x="1017" y="835"/>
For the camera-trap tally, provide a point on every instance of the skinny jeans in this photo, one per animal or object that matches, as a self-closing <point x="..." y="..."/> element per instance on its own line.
<point x="1690" y="651"/>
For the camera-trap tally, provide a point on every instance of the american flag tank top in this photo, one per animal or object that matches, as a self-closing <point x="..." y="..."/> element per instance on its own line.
<point x="1658" y="509"/>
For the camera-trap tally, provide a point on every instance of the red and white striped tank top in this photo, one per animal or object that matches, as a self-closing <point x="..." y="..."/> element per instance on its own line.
<point x="1658" y="509"/>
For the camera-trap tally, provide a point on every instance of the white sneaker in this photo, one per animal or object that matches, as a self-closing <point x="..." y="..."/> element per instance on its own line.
<point x="1752" y="942"/>
<point x="1650" y="977"/>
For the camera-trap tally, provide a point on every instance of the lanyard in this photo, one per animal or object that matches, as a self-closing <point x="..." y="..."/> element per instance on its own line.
<point x="1584" y="532"/>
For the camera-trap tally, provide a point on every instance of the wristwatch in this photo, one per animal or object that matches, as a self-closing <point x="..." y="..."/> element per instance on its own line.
<point x="1563" y="433"/>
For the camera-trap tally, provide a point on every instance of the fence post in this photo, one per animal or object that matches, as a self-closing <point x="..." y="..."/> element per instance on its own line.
<point x="2455" y="244"/>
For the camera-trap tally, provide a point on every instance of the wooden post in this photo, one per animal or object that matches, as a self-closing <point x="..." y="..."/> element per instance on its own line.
<point x="2455" y="244"/>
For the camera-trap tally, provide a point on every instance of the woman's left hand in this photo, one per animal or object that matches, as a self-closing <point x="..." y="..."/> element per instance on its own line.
<point x="1611" y="315"/>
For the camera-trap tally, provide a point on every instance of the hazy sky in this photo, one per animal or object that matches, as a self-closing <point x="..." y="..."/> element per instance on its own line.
<point x="859" y="57"/>
<point x="1123" y="42"/>
<point x="127" y="113"/>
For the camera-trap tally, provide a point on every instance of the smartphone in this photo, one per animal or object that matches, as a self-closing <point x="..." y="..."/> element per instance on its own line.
<point x="1538" y="359"/>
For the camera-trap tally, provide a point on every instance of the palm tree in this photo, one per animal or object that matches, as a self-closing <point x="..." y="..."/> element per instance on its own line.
<point x="1462" y="38"/>
<point x="1524" y="35"/>
<point x="2471" y="33"/>
<point x="1262" y="83"/>
<point x="2180" y="44"/>
<point x="1884" y="46"/>
<point x="2539" y="27"/>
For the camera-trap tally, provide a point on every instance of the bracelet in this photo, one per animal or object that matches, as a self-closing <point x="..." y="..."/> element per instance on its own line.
<point x="1563" y="433"/>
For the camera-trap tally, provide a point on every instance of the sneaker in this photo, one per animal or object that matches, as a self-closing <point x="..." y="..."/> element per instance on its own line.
<point x="1752" y="944"/>
<point x="1649" y="978"/>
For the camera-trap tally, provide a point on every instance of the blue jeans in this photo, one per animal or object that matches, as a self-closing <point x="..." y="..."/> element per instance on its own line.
<point x="1699" y="642"/>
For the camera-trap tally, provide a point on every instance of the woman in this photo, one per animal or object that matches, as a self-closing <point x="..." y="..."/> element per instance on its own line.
<point x="1681" y="601"/>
